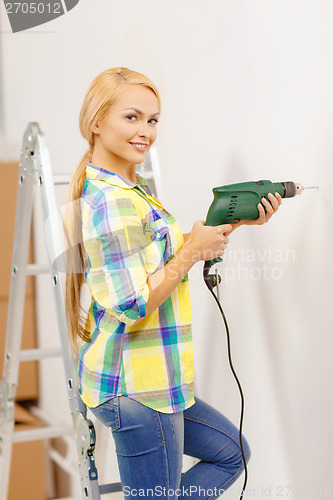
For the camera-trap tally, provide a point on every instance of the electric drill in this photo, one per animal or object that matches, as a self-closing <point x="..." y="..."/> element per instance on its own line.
<point x="236" y="202"/>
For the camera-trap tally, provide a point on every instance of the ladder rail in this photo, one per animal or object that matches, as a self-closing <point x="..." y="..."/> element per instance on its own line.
<point x="8" y="385"/>
<point x="24" y="204"/>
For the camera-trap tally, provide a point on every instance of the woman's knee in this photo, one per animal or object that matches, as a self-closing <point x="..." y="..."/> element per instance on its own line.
<point x="247" y="453"/>
<point x="231" y="456"/>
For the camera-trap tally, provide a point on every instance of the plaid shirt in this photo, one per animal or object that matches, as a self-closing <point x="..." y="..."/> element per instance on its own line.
<point x="128" y="235"/>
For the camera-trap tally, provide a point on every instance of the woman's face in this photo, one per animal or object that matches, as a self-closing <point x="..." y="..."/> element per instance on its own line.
<point x="126" y="134"/>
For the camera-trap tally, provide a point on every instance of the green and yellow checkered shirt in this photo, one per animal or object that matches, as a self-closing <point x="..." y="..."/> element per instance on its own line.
<point x="128" y="235"/>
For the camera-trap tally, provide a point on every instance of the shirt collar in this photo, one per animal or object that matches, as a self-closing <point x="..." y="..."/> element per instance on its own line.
<point x="98" y="173"/>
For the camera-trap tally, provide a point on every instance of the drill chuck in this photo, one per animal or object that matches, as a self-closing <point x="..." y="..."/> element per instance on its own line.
<point x="291" y="189"/>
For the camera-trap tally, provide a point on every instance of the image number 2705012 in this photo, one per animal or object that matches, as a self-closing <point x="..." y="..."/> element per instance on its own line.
<point x="26" y="15"/>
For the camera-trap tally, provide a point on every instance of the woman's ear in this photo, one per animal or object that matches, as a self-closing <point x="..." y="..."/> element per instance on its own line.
<point x="95" y="127"/>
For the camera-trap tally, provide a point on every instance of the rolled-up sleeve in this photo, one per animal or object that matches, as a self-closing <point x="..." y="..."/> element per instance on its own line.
<point x="115" y="242"/>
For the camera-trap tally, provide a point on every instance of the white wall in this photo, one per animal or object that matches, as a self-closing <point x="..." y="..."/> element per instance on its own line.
<point x="246" y="91"/>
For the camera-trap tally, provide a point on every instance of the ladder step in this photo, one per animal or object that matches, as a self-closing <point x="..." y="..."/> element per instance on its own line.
<point x="110" y="488"/>
<point x="42" y="433"/>
<point x="36" y="354"/>
<point x="34" y="269"/>
<point x="63" y="462"/>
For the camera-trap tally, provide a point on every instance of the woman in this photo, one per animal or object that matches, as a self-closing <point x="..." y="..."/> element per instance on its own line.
<point x="136" y="355"/>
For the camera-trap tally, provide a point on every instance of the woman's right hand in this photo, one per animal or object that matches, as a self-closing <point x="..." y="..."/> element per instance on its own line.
<point x="207" y="242"/>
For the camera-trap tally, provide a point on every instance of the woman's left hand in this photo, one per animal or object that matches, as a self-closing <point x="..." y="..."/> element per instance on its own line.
<point x="266" y="209"/>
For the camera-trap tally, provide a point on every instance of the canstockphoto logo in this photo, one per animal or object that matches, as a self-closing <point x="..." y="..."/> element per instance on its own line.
<point x="25" y="15"/>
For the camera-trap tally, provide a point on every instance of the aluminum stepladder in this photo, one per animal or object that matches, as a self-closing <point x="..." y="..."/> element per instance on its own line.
<point x="35" y="169"/>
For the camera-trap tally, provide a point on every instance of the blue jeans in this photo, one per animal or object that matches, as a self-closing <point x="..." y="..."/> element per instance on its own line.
<point x="150" y="447"/>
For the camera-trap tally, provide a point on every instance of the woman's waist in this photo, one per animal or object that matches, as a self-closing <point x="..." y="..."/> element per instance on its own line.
<point x="163" y="317"/>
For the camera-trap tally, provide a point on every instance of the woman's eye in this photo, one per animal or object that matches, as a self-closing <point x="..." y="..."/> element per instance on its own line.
<point x="132" y="118"/>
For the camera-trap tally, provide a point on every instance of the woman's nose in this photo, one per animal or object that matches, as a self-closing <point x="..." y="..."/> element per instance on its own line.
<point x="143" y="130"/>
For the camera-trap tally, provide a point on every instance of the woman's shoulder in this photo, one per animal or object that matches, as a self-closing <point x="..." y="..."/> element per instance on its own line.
<point x="98" y="194"/>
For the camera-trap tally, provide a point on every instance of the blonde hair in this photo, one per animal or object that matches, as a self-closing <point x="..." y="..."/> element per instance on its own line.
<point x="101" y="94"/>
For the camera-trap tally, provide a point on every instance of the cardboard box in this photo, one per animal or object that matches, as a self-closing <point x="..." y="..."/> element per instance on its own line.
<point x="28" y="374"/>
<point x="28" y="465"/>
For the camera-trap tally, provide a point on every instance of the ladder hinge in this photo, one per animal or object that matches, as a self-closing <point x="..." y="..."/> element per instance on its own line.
<point x="86" y="435"/>
<point x="7" y="394"/>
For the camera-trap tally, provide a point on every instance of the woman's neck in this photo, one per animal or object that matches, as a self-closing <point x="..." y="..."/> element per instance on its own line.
<point x="115" y="165"/>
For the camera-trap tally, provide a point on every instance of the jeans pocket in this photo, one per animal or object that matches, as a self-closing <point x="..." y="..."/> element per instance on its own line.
<point x="108" y="413"/>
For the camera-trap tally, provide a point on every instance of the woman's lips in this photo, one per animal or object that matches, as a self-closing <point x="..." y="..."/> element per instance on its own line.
<point x="139" y="146"/>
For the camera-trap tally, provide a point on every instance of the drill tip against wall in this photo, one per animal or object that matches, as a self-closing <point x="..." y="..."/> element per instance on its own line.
<point x="300" y="188"/>
<point x="291" y="189"/>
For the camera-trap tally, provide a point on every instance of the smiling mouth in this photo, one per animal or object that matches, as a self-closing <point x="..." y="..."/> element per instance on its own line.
<point x="139" y="146"/>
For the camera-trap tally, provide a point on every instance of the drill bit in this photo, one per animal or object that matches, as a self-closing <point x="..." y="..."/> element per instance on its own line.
<point x="300" y="188"/>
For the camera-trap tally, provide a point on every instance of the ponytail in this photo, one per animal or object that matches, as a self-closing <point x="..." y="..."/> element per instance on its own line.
<point x="75" y="254"/>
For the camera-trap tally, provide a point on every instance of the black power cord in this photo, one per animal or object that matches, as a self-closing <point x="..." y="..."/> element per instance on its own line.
<point x="212" y="281"/>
